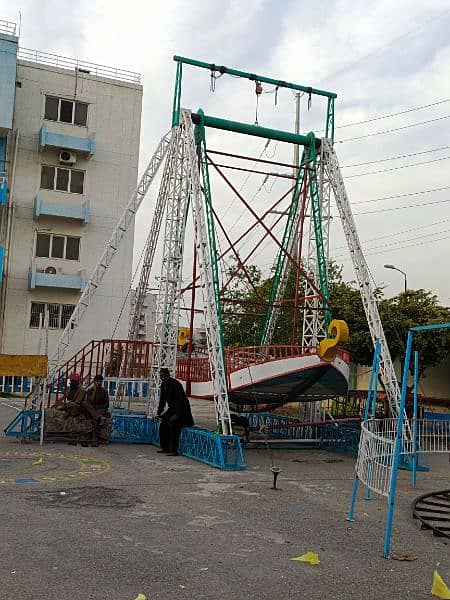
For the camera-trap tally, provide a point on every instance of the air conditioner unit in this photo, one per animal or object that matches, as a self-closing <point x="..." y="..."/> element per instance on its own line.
<point x="50" y="270"/>
<point x="67" y="158"/>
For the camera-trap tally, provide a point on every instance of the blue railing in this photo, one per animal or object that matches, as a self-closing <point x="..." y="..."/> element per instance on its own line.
<point x="221" y="451"/>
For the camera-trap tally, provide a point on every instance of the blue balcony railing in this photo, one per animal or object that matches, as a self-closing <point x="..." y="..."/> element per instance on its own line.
<point x="51" y="139"/>
<point x="54" y="280"/>
<point x="67" y="211"/>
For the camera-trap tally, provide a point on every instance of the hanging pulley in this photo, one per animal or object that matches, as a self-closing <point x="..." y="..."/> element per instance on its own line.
<point x="258" y="92"/>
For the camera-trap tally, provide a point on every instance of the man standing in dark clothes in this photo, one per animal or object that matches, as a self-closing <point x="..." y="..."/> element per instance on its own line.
<point x="96" y="405"/>
<point x="177" y="415"/>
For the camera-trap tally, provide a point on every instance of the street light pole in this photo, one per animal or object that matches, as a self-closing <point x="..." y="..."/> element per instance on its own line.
<point x="400" y="271"/>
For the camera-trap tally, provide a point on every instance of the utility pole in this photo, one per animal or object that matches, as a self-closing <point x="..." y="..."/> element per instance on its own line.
<point x="297" y="131"/>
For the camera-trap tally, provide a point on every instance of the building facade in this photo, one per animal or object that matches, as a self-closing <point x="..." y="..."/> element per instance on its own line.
<point x="147" y="317"/>
<point x="69" y="148"/>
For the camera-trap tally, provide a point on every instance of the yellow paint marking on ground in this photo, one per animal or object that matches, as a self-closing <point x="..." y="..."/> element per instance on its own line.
<point x="78" y="467"/>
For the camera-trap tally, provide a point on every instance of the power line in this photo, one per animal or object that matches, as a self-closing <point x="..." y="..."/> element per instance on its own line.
<point x="360" y="137"/>
<point x="433" y="233"/>
<point x="424" y="162"/>
<point x="407" y="246"/>
<point x="371" y="212"/>
<point x="371" y="162"/>
<point x="396" y="114"/>
<point x="402" y="195"/>
<point x="402" y="231"/>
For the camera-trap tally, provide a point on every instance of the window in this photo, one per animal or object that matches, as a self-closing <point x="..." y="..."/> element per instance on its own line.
<point x="57" y="246"/>
<point x="37" y="309"/>
<point x="62" y="179"/>
<point x="43" y="245"/>
<point x="65" y="111"/>
<point x="58" y="314"/>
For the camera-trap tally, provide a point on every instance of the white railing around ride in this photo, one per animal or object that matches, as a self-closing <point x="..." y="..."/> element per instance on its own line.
<point x="377" y="447"/>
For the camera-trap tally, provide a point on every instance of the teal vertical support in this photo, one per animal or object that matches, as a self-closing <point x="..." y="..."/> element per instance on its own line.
<point x="200" y="139"/>
<point x="177" y="95"/>
<point x="398" y="447"/>
<point x="415" y="440"/>
<point x="329" y="126"/>
<point x="281" y="260"/>
<point x="316" y="210"/>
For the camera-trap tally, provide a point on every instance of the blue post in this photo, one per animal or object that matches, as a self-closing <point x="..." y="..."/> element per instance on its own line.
<point x="377" y="370"/>
<point x="373" y="374"/>
<point x="371" y="402"/>
<point x="351" y="512"/>
<point x="415" y="445"/>
<point x="398" y="447"/>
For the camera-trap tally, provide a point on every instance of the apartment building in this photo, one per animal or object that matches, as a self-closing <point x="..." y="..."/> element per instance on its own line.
<point x="147" y="316"/>
<point x="69" y="147"/>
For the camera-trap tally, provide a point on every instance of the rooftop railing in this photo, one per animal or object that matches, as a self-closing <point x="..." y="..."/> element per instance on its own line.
<point x="8" y="27"/>
<point x="79" y="66"/>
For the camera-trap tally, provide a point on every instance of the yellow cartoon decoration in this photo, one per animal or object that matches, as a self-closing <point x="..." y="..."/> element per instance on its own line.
<point x="339" y="334"/>
<point x="183" y="336"/>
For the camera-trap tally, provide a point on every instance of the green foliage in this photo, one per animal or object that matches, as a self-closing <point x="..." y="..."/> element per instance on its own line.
<point x="244" y="326"/>
<point x="398" y="314"/>
<point x="411" y="309"/>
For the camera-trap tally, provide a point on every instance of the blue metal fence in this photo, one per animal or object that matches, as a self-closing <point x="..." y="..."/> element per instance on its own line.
<point x="221" y="451"/>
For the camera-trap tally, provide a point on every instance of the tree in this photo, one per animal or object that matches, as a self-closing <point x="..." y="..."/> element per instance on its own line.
<point x="398" y="314"/>
<point x="245" y="308"/>
<point x="412" y="309"/>
<point x="346" y="304"/>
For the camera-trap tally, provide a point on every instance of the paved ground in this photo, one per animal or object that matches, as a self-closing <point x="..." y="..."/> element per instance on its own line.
<point x="109" y="523"/>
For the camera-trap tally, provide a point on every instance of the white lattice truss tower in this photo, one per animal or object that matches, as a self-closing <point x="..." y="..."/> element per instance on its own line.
<point x="182" y="182"/>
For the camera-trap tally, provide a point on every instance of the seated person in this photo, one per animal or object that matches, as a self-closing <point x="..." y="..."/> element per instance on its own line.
<point x="82" y="416"/>
<point x="96" y="405"/>
<point x="177" y="415"/>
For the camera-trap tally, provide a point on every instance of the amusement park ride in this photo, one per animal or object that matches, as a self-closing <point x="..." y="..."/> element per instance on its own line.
<point x="257" y="378"/>
<point x="266" y="375"/>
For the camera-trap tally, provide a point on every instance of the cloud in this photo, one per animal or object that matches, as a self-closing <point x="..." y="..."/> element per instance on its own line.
<point x="379" y="57"/>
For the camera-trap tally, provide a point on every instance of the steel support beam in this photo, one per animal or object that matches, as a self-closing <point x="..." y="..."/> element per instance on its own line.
<point x="256" y="130"/>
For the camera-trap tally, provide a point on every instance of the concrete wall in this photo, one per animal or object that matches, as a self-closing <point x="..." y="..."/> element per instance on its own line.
<point x="434" y="383"/>
<point x="111" y="174"/>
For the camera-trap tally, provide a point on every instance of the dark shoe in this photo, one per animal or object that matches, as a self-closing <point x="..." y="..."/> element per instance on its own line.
<point x="94" y="445"/>
<point x="85" y="444"/>
<point x="72" y="443"/>
<point x="172" y="454"/>
<point x="162" y="452"/>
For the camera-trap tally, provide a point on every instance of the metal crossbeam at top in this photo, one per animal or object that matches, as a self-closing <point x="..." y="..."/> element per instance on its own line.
<point x="253" y="77"/>
<point x="258" y="79"/>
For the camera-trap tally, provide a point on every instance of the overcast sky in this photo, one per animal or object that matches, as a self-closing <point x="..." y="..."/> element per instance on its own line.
<point x="379" y="57"/>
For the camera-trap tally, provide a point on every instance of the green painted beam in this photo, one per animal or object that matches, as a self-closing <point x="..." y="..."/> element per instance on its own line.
<point x="256" y="130"/>
<point x="253" y="77"/>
